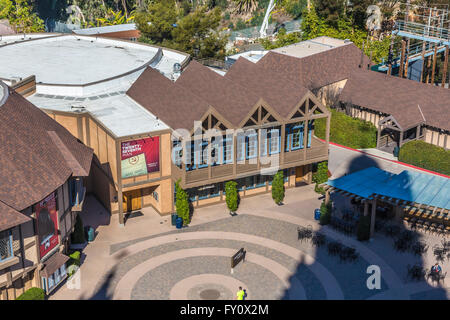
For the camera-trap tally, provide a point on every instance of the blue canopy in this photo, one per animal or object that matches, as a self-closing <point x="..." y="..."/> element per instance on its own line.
<point x="412" y="186"/>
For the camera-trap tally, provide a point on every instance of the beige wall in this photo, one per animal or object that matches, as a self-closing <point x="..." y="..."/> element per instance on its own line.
<point x="437" y="138"/>
<point x="328" y="94"/>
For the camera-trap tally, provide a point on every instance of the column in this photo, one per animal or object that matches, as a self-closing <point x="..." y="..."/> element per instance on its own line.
<point x="327" y="196"/>
<point x="378" y="136"/>
<point x="372" y="219"/>
<point x="366" y="208"/>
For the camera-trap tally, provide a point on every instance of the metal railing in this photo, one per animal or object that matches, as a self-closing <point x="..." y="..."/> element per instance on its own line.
<point x="424" y="30"/>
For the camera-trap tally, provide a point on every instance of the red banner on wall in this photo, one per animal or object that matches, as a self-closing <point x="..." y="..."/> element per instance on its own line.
<point x="140" y="157"/>
<point x="47" y="224"/>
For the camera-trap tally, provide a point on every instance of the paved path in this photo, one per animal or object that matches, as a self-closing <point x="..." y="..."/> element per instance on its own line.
<point x="149" y="259"/>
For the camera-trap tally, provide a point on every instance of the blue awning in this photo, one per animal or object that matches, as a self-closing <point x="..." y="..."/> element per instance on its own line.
<point x="411" y="186"/>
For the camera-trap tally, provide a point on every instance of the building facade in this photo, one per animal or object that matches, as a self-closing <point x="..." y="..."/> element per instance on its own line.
<point x="43" y="168"/>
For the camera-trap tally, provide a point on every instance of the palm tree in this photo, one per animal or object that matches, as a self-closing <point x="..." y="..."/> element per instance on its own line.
<point x="245" y="5"/>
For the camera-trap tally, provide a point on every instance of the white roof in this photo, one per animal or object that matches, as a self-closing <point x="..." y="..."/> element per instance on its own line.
<point x="120" y="114"/>
<point x="89" y="74"/>
<point x="106" y="29"/>
<point x="23" y="37"/>
<point x="310" y="47"/>
<point x="298" y="50"/>
<point x="72" y="60"/>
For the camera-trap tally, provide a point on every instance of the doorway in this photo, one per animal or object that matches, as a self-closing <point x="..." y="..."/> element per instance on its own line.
<point x="299" y="175"/>
<point x="132" y="200"/>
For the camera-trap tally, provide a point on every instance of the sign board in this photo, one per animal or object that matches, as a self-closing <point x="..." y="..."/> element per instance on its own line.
<point x="47" y="224"/>
<point x="238" y="257"/>
<point x="140" y="157"/>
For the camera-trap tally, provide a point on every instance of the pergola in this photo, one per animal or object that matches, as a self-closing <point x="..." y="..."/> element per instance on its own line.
<point x="411" y="193"/>
<point x="393" y="125"/>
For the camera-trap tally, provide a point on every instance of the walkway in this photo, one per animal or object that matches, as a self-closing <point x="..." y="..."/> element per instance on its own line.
<point x="149" y="259"/>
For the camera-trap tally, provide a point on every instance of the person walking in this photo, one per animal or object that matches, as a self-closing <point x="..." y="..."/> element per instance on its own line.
<point x="240" y="294"/>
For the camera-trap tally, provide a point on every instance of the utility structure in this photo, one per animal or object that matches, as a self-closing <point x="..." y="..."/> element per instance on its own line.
<point x="265" y="24"/>
<point x="426" y="34"/>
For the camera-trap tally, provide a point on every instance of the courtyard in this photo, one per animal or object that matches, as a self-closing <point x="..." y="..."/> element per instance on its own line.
<point x="150" y="259"/>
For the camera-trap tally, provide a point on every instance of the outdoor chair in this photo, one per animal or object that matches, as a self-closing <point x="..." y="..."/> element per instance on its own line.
<point x="419" y="224"/>
<point x="439" y="253"/>
<point x="407" y="235"/>
<point x="416" y="272"/>
<point x="426" y="226"/>
<point x="419" y="248"/>
<point x="318" y="239"/>
<point x="392" y="230"/>
<point x="441" y="229"/>
<point x="334" y="248"/>
<point x="401" y="245"/>
<point x="433" y="228"/>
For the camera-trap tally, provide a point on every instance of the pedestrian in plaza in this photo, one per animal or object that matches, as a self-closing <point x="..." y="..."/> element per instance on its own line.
<point x="436" y="268"/>
<point x="240" y="294"/>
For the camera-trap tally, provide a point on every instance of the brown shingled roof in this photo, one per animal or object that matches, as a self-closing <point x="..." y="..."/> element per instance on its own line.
<point x="399" y="98"/>
<point x="10" y="218"/>
<point x="173" y="104"/>
<point x="232" y="100"/>
<point x="316" y="70"/>
<point x="283" y="95"/>
<point x="54" y="263"/>
<point x="31" y="165"/>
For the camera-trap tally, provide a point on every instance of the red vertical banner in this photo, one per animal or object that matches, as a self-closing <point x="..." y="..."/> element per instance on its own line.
<point x="47" y="224"/>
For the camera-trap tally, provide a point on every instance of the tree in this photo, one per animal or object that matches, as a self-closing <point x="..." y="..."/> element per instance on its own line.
<point x="278" y="187"/>
<point x="195" y="34"/>
<point x="114" y="18"/>
<point x="78" y="233"/>
<point x="245" y="5"/>
<point x="283" y="39"/>
<point x="325" y="213"/>
<point x="357" y="12"/>
<point x="156" y="24"/>
<point x="20" y="15"/>
<point x="231" y="195"/>
<point x="311" y="24"/>
<point x="182" y="203"/>
<point x="330" y="10"/>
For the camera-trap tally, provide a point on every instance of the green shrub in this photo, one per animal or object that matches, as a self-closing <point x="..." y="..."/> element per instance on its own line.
<point x="325" y="213"/>
<point x="78" y="233"/>
<point x="321" y="175"/>
<point x="278" y="187"/>
<point x="182" y="204"/>
<point x="32" y="294"/>
<point x="363" y="230"/>
<point x="347" y="131"/>
<point x="231" y="195"/>
<point x="75" y="258"/>
<point x="425" y="155"/>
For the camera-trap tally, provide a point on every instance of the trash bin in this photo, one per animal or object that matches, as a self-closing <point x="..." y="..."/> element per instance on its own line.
<point x="174" y="218"/>
<point x="317" y="214"/>
<point x="179" y="223"/>
<point x="396" y="150"/>
<point x="90" y="234"/>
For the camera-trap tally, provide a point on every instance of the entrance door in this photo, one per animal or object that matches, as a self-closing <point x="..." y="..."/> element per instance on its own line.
<point x="299" y="173"/>
<point x="132" y="200"/>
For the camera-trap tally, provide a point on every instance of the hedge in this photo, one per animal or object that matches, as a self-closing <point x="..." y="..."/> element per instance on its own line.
<point x="78" y="233"/>
<point x="348" y="131"/>
<point x="231" y="195"/>
<point x="320" y="176"/>
<point x="325" y="213"/>
<point x="32" y="294"/>
<point x="425" y="155"/>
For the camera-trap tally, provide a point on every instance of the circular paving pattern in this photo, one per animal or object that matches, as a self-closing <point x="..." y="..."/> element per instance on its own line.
<point x="206" y="287"/>
<point x="194" y="264"/>
<point x="210" y="294"/>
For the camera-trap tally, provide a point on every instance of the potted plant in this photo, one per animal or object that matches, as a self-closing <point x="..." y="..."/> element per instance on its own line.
<point x="182" y="204"/>
<point x="231" y="196"/>
<point x="278" y="188"/>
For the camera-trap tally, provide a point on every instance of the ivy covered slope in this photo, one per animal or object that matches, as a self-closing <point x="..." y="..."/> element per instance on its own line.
<point x="425" y="155"/>
<point x="347" y="131"/>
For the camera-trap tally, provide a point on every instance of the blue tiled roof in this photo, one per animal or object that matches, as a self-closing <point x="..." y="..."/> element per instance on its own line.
<point x="408" y="185"/>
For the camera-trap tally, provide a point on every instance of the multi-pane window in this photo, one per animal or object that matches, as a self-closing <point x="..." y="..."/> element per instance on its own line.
<point x="310" y="129"/>
<point x="252" y="145"/>
<point x="216" y="151"/>
<point x="6" y="249"/>
<point x="191" y="161"/>
<point x="177" y="152"/>
<point x="294" y="137"/>
<point x="240" y="148"/>
<point x="274" y="141"/>
<point x="228" y="149"/>
<point x="263" y="142"/>
<point x="203" y="155"/>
